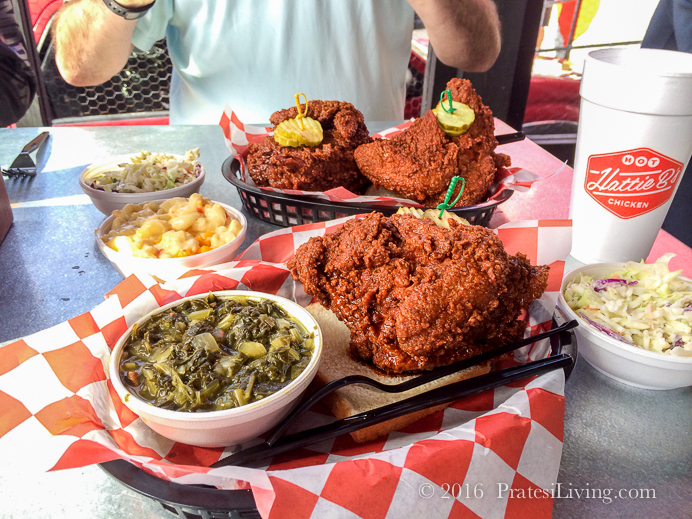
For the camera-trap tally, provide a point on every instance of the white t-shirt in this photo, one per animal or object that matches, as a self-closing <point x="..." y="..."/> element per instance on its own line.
<point x="257" y="54"/>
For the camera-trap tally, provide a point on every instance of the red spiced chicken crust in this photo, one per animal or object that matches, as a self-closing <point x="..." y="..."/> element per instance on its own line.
<point x="416" y="296"/>
<point x="320" y="168"/>
<point x="419" y="162"/>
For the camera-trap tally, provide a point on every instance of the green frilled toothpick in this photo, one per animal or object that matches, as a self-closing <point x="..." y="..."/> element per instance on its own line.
<point x="450" y="191"/>
<point x="449" y="98"/>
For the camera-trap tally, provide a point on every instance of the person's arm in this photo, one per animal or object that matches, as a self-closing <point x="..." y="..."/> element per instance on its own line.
<point x="92" y="44"/>
<point x="464" y="33"/>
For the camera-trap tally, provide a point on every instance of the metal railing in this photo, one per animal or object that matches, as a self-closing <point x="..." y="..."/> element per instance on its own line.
<point x="569" y="46"/>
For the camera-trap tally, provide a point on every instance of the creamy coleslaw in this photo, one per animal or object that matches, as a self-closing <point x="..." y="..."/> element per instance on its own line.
<point x="147" y="172"/>
<point x="645" y="305"/>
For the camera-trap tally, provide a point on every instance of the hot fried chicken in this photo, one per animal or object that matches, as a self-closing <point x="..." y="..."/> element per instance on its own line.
<point x="319" y="168"/>
<point x="420" y="162"/>
<point x="416" y="296"/>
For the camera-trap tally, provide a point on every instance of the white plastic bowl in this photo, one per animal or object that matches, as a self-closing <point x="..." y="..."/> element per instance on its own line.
<point x="167" y="269"/>
<point x="618" y="360"/>
<point x="230" y="426"/>
<point x="109" y="202"/>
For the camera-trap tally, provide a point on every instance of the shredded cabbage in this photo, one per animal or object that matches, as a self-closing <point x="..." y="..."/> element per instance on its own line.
<point x="147" y="172"/>
<point x="645" y="305"/>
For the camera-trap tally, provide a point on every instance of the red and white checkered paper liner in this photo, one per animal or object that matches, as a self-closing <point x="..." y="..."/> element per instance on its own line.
<point x="58" y="410"/>
<point x="238" y="135"/>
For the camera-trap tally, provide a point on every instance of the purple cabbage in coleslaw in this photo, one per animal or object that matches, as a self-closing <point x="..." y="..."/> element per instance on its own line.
<point x="607" y="331"/>
<point x="600" y="285"/>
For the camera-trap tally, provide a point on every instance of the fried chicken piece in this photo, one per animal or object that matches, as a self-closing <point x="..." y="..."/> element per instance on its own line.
<point x="416" y="296"/>
<point x="419" y="162"/>
<point x="325" y="166"/>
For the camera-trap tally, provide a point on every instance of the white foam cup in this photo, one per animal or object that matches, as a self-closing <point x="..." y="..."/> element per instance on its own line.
<point x="633" y="143"/>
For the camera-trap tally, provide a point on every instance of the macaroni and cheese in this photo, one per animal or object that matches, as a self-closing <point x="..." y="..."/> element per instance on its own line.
<point x="173" y="228"/>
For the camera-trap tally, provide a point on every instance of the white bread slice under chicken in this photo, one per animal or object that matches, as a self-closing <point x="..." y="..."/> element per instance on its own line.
<point x="336" y="362"/>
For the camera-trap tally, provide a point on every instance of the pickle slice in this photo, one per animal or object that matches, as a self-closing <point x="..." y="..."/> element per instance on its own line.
<point x="458" y="121"/>
<point x="290" y="133"/>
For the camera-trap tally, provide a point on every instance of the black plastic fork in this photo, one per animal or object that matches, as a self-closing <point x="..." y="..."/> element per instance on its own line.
<point x="276" y="444"/>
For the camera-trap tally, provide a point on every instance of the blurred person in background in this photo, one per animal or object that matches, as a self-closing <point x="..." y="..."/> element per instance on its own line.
<point x="17" y="79"/>
<point x="256" y="54"/>
<point x="670" y="28"/>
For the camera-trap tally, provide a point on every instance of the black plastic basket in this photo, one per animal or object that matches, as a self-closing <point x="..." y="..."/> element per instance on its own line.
<point x="185" y="501"/>
<point x="205" y="502"/>
<point x="288" y="210"/>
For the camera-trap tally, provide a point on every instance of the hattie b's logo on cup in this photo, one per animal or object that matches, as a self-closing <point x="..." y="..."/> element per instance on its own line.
<point x="631" y="183"/>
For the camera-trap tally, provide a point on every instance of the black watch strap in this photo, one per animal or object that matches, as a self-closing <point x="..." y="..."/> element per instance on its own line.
<point x="129" y="13"/>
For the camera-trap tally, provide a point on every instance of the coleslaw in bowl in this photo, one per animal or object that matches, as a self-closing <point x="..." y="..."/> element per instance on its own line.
<point x="633" y="321"/>
<point x="147" y="172"/>
<point x="140" y="178"/>
<point x="644" y="305"/>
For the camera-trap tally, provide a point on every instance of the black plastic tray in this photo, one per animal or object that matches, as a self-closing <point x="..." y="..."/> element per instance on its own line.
<point x="288" y="210"/>
<point x="197" y="501"/>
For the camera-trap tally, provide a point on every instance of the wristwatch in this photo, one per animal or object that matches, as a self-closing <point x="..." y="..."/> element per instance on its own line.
<point x="129" y="13"/>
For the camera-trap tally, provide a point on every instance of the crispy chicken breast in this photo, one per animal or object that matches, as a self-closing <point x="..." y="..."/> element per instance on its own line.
<point x="419" y="162"/>
<point x="319" y="168"/>
<point x="416" y="296"/>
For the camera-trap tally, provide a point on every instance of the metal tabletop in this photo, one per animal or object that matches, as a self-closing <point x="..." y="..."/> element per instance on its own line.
<point x="618" y="440"/>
